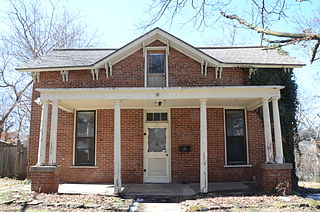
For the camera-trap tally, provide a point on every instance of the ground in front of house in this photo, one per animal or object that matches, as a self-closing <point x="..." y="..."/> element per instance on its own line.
<point x="15" y="195"/>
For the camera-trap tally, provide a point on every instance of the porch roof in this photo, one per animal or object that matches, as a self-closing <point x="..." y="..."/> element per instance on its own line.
<point x="249" y="97"/>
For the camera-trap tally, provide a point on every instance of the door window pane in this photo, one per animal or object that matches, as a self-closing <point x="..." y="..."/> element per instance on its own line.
<point x="156" y="139"/>
<point x="85" y="138"/>
<point x="235" y="137"/>
<point x="156" y="63"/>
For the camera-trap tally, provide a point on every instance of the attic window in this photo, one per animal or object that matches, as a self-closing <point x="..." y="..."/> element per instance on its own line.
<point x="156" y="62"/>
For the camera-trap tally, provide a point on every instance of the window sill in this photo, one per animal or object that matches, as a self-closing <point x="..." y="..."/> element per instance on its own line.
<point x="83" y="167"/>
<point x="236" y="166"/>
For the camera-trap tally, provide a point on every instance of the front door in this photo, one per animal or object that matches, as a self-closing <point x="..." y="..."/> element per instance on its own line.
<point x="156" y="153"/>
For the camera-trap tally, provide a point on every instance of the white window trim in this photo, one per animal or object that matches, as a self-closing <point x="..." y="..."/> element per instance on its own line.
<point x="74" y="140"/>
<point x="155" y="48"/>
<point x="226" y="165"/>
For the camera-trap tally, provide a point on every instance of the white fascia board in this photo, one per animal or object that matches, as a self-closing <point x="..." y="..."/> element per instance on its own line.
<point x="251" y="65"/>
<point x="223" y="92"/>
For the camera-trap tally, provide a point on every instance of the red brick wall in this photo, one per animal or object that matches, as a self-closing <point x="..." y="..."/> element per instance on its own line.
<point x="132" y="145"/>
<point x="185" y="126"/>
<point x="185" y="129"/>
<point x="46" y="182"/>
<point x="277" y="181"/>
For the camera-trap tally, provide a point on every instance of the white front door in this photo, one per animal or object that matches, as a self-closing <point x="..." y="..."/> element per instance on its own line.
<point x="156" y="153"/>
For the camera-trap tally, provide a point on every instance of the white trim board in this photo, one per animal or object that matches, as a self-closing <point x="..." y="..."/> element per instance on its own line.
<point x="224" y="92"/>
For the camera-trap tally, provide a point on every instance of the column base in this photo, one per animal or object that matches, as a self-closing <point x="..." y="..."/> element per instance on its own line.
<point x="44" y="179"/>
<point x="276" y="178"/>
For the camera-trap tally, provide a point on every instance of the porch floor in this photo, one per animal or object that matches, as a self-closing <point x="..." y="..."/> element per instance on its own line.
<point x="167" y="190"/>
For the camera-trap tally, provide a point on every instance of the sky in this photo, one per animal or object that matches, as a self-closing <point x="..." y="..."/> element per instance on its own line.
<point x="117" y="23"/>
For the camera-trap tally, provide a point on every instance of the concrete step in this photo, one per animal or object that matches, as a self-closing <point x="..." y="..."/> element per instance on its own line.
<point x="161" y="207"/>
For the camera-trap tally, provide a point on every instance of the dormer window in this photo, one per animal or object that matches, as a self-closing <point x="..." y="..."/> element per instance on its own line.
<point x="156" y="69"/>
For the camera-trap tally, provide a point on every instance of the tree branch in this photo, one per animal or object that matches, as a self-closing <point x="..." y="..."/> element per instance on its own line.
<point x="304" y="36"/>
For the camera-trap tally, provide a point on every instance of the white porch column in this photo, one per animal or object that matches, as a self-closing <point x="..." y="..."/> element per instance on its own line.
<point x="43" y="134"/>
<point x="267" y="131"/>
<point x="277" y="131"/>
<point x="203" y="147"/>
<point x="53" y="134"/>
<point x="117" y="147"/>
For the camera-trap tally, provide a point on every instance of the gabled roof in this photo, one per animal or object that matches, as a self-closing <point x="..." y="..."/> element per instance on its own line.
<point x="74" y="59"/>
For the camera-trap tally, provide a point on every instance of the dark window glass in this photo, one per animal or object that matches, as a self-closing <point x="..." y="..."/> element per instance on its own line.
<point x="85" y="138"/>
<point x="164" y="117"/>
<point x="149" y="116"/>
<point x="156" y="63"/>
<point x="235" y="137"/>
<point x="156" y="117"/>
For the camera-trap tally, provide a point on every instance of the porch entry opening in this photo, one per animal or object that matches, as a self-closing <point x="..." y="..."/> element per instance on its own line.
<point x="157" y="150"/>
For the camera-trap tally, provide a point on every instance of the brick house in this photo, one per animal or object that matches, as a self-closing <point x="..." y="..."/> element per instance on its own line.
<point x="156" y="110"/>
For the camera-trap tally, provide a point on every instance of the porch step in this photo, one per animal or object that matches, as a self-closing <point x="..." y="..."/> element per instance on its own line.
<point x="157" y="190"/>
<point x="155" y="207"/>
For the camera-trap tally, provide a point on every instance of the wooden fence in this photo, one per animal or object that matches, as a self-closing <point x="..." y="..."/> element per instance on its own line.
<point x="13" y="161"/>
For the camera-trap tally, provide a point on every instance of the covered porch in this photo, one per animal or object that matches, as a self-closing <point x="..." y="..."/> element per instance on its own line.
<point x="246" y="97"/>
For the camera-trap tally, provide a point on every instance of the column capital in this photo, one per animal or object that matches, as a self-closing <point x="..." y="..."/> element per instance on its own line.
<point x="117" y="102"/>
<point x="54" y="101"/>
<point x="203" y="101"/>
<point x="265" y="100"/>
<point x="275" y="99"/>
<point x="44" y="101"/>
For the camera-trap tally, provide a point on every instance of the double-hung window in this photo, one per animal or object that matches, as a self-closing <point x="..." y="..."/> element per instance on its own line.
<point x="85" y="138"/>
<point x="236" y="137"/>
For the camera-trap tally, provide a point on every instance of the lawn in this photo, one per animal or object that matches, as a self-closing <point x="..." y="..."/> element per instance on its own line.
<point x="15" y="195"/>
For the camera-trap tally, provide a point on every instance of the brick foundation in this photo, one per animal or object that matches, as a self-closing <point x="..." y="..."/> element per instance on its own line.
<point x="44" y="179"/>
<point x="276" y="178"/>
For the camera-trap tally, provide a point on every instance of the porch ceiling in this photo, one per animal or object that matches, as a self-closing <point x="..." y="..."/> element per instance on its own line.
<point x="160" y="103"/>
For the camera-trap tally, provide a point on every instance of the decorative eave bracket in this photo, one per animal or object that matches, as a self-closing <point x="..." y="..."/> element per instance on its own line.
<point x="95" y="74"/>
<point x="287" y="70"/>
<point x="219" y="72"/>
<point x="35" y="76"/>
<point x="65" y="75"/>
<point x="204" y="67"/>
<point x="252" y="70"/>
<point x="108" y="67"/>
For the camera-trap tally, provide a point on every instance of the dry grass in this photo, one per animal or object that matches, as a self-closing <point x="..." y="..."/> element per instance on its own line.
<point x="313" y="185"/>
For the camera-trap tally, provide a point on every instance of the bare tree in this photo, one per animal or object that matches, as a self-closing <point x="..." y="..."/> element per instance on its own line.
<point x="260" y="19"/>
<point x="31" y="29"/>
<point x="308" y="117"/>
